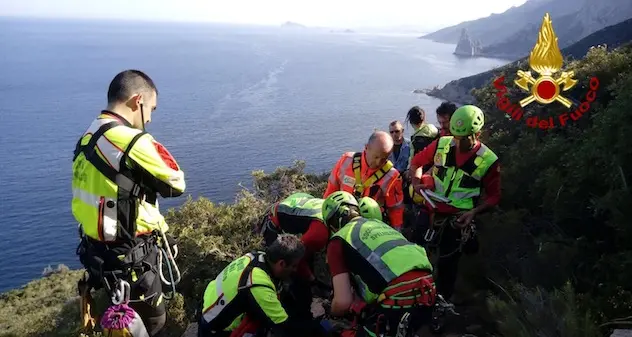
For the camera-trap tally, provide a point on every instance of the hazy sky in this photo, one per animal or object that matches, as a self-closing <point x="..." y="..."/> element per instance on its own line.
<point x="332" y="13"/>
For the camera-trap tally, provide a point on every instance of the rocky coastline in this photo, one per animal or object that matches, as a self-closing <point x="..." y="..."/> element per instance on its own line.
<point x="452" y="92"/>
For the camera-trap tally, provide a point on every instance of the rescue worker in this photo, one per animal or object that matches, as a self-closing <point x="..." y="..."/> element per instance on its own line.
<point x="369" y="208"/>
<point x="392" y="276"/>
<point x="118" y="172"/>
<point x="444" y="113"/>
<point x="424" y="133"/>
<point x="243" y="298"/>
<point x="462" y="168"/>
<point x="299" y="213"/>
<point x="370" y="173"/>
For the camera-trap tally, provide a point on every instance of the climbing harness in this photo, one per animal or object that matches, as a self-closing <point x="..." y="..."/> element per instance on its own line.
<point x="433" y="236"/>
<point x="360" y="185"/>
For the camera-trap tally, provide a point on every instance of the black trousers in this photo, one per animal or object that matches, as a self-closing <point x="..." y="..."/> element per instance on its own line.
<point x="147" y="284"/>
<point x="448" y="242"/>
<point x="152" y="310"/>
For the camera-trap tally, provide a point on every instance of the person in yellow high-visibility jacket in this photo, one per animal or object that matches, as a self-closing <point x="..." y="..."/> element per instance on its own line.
<point x="118" y="172"/>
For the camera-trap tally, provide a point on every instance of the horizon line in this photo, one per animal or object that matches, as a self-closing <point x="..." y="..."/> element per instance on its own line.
<point x="194" y="21"/>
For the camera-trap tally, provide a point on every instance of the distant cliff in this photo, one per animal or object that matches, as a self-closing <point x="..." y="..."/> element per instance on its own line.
<point x="467" y="46"/>
<point x="589" y="18"/>
<point x="460" y="90"/>
<point x="498" y="27"/>
<point x="512" y="34"/>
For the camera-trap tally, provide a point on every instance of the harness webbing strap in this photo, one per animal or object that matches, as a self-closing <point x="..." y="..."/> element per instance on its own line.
<point x="408" y="293"/>
<point x="374" y="178"/>
<point x="89" y="150"/>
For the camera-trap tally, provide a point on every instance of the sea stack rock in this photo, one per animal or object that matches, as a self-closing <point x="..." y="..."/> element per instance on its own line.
<point x="467" y="46"/>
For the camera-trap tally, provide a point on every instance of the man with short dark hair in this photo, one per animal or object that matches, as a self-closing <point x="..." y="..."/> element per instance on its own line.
<point x="444" y="113"/>
<point x="118" y="172"/>
<point x="243" y="298"/>
<point x="370" y="173"/>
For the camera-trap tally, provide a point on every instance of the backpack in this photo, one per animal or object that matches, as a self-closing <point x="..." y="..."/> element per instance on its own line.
<point x="122" y="321"/>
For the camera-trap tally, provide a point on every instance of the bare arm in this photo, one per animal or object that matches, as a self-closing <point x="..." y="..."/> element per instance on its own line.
<point x="343" y="294"/>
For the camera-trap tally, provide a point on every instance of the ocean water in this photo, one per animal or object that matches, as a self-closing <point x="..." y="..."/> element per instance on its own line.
<point x="232" y="99"/>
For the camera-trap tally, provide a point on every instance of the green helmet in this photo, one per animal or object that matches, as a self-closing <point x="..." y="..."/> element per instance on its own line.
<point x="466" y="120"/>
<point x="335" y="206"/>
<point x="370" y="209"/>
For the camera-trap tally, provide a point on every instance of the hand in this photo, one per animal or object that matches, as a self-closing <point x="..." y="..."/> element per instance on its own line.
<point x="418" y="187"/>
<point x="465" y="219"/>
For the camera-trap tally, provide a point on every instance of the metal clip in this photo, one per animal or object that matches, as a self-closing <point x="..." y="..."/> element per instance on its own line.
<point x="122" y="292"/>
<point x="430" y="234"/>
<point x="402" y="327"/>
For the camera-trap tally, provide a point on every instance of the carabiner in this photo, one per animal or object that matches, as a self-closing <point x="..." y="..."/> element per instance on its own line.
<point x="122" y="292"/>
<point x="430" y="234"/>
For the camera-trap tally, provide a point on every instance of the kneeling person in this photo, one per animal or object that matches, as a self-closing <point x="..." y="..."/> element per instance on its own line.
<point x="243" y="297"/>
<point x="391" y="275"/>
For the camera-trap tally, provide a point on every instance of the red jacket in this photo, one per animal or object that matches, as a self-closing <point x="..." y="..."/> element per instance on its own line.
<point x="389" y="194"/>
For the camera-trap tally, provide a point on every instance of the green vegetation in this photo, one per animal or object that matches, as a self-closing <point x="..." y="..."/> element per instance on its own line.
<point x="556" y="257"/>
<point x="568" y="207"/>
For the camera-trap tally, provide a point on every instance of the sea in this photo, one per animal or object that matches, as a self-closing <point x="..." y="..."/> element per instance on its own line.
<point x="232" y="99"/>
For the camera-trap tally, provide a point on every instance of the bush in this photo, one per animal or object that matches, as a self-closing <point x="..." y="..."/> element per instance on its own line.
<point x="537" y="312"/>
<point x="568" y="205"/>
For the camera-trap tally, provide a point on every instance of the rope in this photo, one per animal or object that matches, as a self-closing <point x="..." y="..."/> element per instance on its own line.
<point x="170" y="262"/>
<point x="436" y="243"/>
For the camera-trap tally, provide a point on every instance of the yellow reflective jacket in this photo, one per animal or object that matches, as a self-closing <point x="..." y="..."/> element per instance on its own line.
<point x="117" y="173"/>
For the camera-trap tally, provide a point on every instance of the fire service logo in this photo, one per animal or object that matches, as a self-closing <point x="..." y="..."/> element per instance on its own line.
<point x="545" y="87"/>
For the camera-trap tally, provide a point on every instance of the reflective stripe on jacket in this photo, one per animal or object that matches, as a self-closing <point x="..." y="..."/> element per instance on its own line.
<point x="387" y="191"/>
<point x="461" y="185"/>
<point x="387" y="253"/>
<point x="109" y="202"/>
<point x="226" y="298"/>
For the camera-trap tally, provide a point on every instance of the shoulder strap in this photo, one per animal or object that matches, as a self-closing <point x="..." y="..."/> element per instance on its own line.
<point x="245" y="281"/>
<point x="108" y="171"/>
<point x="357" y="165"/>
<point x="373" y="179"/>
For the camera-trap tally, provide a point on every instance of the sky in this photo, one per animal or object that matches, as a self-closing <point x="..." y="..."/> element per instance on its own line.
<point x="324" y="13"/>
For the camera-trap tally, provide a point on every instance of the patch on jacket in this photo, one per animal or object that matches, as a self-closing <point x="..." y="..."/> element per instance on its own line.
<point x="438" y="159"/>
<point x="349" y="181"/>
